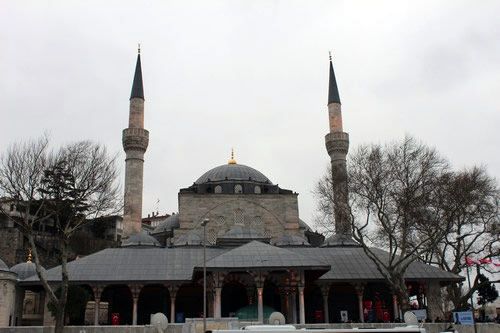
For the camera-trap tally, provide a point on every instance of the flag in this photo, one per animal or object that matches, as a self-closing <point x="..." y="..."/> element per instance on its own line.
<point x="496" y="263"/>
<point x="470" y="261"/>
<point x="486" y="261"/>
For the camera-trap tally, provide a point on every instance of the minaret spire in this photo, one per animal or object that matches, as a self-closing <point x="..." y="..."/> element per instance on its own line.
<point x="337" y="146"/>
<point x="333" y="91"/>
<point x="137" y="88"/>
<point x="135" y="143"/>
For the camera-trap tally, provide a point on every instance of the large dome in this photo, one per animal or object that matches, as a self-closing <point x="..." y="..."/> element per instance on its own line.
<point x="233" y="172"/>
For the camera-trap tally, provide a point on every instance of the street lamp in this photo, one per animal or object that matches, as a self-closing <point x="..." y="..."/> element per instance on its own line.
<point x="204" y="225"/>
<point x="462" y="238"/>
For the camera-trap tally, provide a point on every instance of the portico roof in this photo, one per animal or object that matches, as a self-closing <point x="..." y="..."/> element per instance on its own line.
<point x="256" y="255"/>
<point x="352" y="263"/>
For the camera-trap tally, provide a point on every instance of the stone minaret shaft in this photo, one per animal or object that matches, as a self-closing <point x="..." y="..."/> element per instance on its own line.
<point x="337" y="145"/>
<point x="135" y="142"/>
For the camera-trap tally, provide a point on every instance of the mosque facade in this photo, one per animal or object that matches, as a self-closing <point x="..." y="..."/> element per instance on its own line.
<point x="260" y="257"/>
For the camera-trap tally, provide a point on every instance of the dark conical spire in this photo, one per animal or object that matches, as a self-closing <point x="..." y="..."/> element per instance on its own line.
<point x="333" y="91"/>
<point x="137" y="89"/>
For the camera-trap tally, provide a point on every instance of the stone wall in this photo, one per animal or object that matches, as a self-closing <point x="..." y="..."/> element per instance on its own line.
<point x="272" y="214"/>
<point x="7" y="298"/>
<point x="11" y="239"/>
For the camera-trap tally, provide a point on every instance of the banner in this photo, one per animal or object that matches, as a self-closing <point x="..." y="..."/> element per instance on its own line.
<point x="463" y="318"/>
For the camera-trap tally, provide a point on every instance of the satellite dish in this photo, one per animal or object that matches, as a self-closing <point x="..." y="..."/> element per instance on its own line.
<point x="159" y="322"/>
<point x="276" y="318"/>
<point x="410" y="318"/>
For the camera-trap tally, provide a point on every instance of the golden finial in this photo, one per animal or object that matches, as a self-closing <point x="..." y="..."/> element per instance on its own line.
<point x="138" y="48"/>
<point x="232" y="160"/>
<point x="29" y="257"/>
<point x="330" y="55"/>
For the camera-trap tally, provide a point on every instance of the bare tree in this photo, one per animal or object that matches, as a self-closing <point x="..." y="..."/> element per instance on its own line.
<point x="393" y="190"/>
<point x="71" y="188"/>
<point x="471" y="198"/>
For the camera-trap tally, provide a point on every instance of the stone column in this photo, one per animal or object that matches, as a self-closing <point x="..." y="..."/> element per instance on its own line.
<point x="260" y="304"/>
<point x="136" y="290"/>
<point x="360" y="288"/>
<point x="395" y="307"/>
<point x="302" y="312"/>
<point x="97" y="289"/>
<point x="172" y="291"/>
<point x="325" y="289"/>
<point x="218" y="293"/>
<point x="293" y="297"/>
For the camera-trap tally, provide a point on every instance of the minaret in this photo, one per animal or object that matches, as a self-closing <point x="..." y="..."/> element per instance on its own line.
<point x="337" y="145"/>
<point x="135" y="142"/>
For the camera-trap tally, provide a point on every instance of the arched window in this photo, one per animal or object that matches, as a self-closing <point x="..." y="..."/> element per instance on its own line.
<point x="238" y="217"/>
<point x="220" y="221"/>
<point x="257" y="189"/>
<point x="238" y="188"/>
<point x="257" y="220"/>
<point x="212" y="236"/>
<point x="218" y="189"/>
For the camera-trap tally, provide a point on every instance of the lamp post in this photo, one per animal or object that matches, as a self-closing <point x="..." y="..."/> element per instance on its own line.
<point x="204" y="225"/>
<point x="462" y="238"/>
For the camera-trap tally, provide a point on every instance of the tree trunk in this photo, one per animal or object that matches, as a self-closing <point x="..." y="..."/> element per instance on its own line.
<point x="402" y="296"/>
<point x="61" y="304"/>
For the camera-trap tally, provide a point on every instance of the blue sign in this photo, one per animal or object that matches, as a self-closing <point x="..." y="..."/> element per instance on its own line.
<point x="463" y="318"/>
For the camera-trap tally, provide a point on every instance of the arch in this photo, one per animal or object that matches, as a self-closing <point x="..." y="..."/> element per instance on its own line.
<point x="218" y="189"/>
<point x="271" y="296"/>
<point x="119" y="299"/>
<point x="216" y="210"/>
<point x="233" y="297"/>
<point x="342" y="297"/>
<point x="188" y="301"/>
<point x="152" y="299"/>
<point x="313" y="301"/>
<point x="257" y="189"/>
<point x="377" y="296"/>
<point x="238" y="189"/>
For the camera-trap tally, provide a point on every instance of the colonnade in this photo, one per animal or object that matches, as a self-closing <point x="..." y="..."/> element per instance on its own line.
<point x="292" y="291"/>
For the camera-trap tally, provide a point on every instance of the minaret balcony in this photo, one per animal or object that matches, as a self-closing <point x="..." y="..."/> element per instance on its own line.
<point x="135" y="138"/>
<point x="337" y="142"/>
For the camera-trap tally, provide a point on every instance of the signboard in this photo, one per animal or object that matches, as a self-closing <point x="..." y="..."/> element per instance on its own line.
<point x="463" y="318"/>
<point x="421" y="314"/>
<point x="343" y="316"/>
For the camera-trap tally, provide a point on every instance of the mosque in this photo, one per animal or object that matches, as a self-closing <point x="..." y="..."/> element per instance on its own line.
<point x="260" y="257"/>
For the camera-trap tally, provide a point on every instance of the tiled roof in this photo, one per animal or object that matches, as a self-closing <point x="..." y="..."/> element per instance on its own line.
<point x="351" y="263"/>
<point x="257" y="255"/>
<point x="158" y="265"/>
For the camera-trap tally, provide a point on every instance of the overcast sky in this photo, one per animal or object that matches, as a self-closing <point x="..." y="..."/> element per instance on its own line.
<point x="253" y="75"/>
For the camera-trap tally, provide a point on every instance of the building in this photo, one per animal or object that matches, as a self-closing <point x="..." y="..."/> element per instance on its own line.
<point x="260" y="256"/>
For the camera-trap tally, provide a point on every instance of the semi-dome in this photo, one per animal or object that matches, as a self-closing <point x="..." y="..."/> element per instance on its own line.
<point x="141" y="239"/>
<point x="172" y="222"/>
<point x="242" y="232"/>
<point x="24" y="270"/>
<point x="233" y="171"/>
<point x="290" y="240"/>
<point x="189" y="239"/>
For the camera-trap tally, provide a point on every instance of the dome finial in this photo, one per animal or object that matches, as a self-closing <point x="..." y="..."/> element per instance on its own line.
<point x="232" y="160"/>
<point x="138" y="48"/>
<point x="29" y="257"/>
<point x="330" y="55"/>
